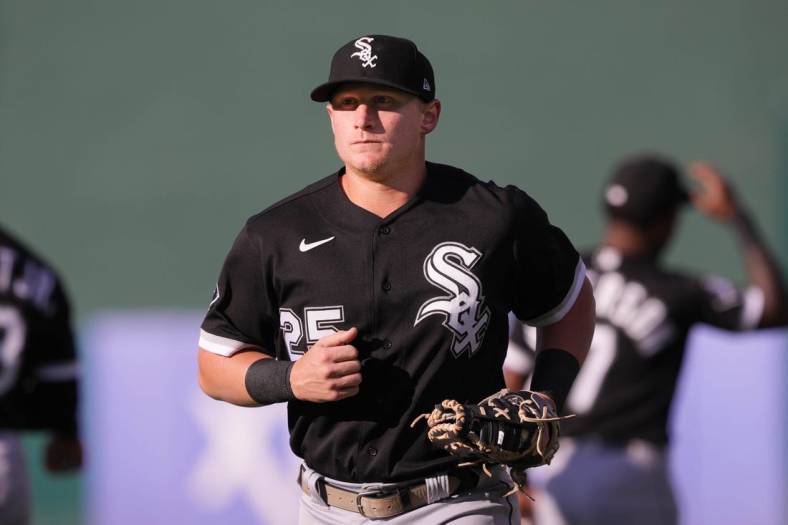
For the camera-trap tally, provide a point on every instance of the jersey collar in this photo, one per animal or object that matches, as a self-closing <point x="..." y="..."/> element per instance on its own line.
<point x="340" y="211"/>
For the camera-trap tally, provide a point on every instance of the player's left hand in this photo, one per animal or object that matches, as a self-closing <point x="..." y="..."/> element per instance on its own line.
<point x="517" y="429"/>
<point x="715" y="198"/>
<point x="63" y="454"/>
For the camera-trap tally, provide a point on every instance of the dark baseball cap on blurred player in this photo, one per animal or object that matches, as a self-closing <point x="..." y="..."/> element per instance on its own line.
<point x="380" y="59"/>
<point x="644" y="188"/>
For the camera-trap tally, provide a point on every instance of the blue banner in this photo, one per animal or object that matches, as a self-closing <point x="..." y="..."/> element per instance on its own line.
<point x="159" y="451"/>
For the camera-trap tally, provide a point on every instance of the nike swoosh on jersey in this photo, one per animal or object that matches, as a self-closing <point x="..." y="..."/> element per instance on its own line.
<point x="305" y="246"/>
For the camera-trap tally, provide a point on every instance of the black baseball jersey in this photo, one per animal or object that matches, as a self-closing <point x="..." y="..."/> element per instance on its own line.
<point x="38" y="368"/>
<point x="644" y="313"/>
<point x="428" y="288"/>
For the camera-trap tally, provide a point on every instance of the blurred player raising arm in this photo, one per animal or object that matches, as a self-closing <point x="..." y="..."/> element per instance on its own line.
<point x="645" y="311"/>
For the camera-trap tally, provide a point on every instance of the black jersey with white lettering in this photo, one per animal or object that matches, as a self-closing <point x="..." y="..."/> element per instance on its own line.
<point x="644" y="313"/>
<point x="37" y="357"/>
<point x="428" y="287"/>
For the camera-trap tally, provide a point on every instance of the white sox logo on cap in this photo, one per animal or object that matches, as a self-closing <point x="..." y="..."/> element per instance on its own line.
<point x="365" y="53"/>
<point x="403" y="67"/>
<point x="466" y="315"/>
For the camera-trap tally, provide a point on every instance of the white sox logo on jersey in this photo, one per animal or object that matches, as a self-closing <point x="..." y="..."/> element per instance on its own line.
<point x="365" y="53"/>
<point x="467" y="316"/>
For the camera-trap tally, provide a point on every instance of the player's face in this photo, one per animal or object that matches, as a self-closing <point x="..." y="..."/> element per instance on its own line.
<point x="662" y="232"/>
<point x="377" y="130"/>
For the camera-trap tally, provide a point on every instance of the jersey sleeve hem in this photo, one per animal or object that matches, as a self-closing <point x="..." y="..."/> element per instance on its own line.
<point x="752" y="309"/>
<point x="558" y="313"/>
<point x="223" y="345"/>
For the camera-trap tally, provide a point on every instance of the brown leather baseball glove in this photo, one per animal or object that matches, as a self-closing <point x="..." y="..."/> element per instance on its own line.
<point x="516" y="429"/>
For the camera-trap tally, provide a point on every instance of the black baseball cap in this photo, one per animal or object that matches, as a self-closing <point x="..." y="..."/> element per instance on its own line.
<point x="643" y="188"/>
<point x="380" y="59"/>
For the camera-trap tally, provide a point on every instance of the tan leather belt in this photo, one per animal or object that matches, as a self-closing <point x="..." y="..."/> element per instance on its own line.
<point x="377" y="503"/>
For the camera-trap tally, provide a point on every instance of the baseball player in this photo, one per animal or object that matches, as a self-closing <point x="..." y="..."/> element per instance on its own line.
<point x="377" y="292"/>
<point x="623" y="394"/>
<point x="38" y="389"/>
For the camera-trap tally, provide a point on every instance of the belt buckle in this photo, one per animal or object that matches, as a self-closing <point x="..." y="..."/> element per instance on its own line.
<point x="378" y="493"/>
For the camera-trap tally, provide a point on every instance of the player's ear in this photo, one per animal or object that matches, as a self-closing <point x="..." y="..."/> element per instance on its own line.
<point x="430" y="116"/>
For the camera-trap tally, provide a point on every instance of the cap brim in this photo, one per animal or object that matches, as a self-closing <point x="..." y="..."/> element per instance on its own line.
<point x="324" y="92"/>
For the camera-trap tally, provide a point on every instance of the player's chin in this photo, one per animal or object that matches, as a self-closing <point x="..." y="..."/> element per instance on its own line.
<point x="369" y="164"/>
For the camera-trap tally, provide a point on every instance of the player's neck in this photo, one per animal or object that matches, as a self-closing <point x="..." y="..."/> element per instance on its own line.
<point x="629" y="241"/>
<point x="383" y="193"/>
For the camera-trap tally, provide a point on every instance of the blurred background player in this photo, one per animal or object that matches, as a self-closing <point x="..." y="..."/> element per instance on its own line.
<point x="611" y="467"/>
<point x="38" y="388"/>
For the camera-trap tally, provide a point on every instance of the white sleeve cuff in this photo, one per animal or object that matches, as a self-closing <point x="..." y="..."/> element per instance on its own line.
<point x="752" y="309"/>
<point x="222" y="345"/>
<point x="558" y="313"/>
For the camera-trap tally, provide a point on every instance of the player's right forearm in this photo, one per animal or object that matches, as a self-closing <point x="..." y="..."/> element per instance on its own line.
<point x="224" y="378"/>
